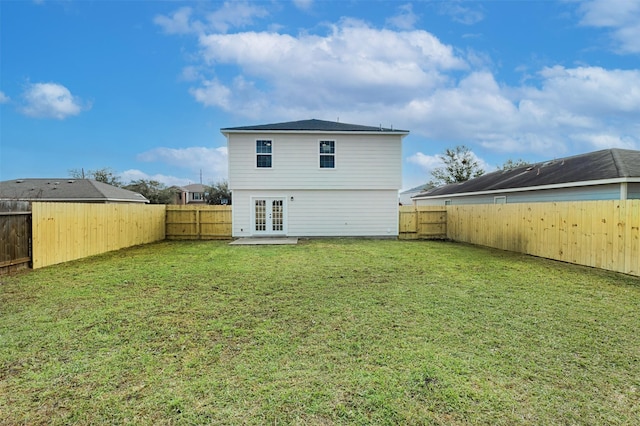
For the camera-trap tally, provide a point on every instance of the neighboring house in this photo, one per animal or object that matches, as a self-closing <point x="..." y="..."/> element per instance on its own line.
<point x="192" y="194"/>
<point x="67" y="190"/>
<point x="611" y="174"/>
<point x="405" y="197"/>
<point x="314" y="178"/>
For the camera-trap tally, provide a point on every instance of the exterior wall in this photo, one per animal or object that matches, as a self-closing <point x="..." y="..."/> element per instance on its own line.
<point x="587" y="193"/>
<point x="633" y="191"/>
<point x="311" y="213"/>
<point x="362" y="162"/>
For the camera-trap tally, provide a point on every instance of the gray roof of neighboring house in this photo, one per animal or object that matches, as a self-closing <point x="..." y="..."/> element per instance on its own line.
<point x="418" y="188"/>
<point x="72" y="190"/>
<point x="313" y="125"/>
<point x="195" y="187"/>
<point x="604" y="165"/>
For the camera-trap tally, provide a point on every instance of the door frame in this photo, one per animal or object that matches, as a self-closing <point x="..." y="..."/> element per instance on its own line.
<point x="269" y="199"/>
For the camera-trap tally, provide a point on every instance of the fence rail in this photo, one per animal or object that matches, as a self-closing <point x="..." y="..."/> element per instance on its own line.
<point x="422" y="222"/>
<point x="198" y="222"/>
<point x="69" y="231"/>
<point x="601" y="234"/>
<point x="15" y="241"/>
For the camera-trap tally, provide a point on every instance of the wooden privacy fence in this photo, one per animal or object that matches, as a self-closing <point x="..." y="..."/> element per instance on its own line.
<point x="202" y="222"/>
<point x="15" y="236"/>
<point x="69" y="231"/>
<point x="601" y="234"/>
<point x="422" y="222"/>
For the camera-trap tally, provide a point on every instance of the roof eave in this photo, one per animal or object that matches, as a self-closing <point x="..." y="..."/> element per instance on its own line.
<point x="533" y="188"/>
<point x="80" y="200"/>
<point x="319" y="132"/>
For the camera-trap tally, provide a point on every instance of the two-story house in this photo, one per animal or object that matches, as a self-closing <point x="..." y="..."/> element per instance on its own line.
<point x="194" y="193"/>
<point x="314" y="178"/>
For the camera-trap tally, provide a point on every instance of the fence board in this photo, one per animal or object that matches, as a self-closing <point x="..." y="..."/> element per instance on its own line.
<point x="69" y="231"/>
<point x="422" y="222"/>
<point x="201" y="222"/>
<point x="15" y="241"/>
<point x="601" y="234"/>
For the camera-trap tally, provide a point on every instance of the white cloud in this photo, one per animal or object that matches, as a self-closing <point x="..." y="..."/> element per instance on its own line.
<point x="354" y="64"/>
<point x="179" y="22"/>
<point x="211" y="161"/>
<point x="51" y="100"/>
<point x="610" y="140"/>
<point x="622" y="17"/>
<point x="4" y="98"/>
<point x="411" y="80"/>
<point x="303" y="4"/>
<point x="134" y="174"/>
<point x="232" y="14"/>
<point x="462" y="14"/>
<point x="405" y="19"/>
<point x="428" y="163"/>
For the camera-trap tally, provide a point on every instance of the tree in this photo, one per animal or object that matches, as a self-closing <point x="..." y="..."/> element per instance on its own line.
<point x="513" y="164"/>
<point x="154" y="191"/>
<point x="218" y="193"/>
<point x="105" y="175"/>
<point x="460" y="165"/>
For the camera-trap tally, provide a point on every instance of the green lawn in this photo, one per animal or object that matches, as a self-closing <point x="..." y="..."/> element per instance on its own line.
<point x="325" y="332"/>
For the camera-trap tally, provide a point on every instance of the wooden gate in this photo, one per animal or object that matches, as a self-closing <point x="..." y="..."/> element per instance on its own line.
<point x="15" y="236"/>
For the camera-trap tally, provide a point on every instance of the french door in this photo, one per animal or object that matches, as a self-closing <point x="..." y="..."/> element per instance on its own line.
<point x="269" y="216"/>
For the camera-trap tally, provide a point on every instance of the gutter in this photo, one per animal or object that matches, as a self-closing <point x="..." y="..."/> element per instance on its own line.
<point x="318" y="132"/>
<point x="533" y="188"/>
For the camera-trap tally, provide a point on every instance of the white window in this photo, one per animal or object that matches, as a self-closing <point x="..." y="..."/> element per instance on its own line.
<point x="447" y="202"/>
<point x="500" y="199"/>
<point x="264" y="151"/>
<point x="327" y="154"/>
<point x="196" y="196"/>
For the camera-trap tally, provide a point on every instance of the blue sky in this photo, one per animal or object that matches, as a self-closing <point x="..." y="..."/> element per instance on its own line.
<point x="143" y="87"/>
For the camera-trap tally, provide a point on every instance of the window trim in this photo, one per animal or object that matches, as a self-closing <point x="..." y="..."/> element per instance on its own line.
<point x="270" y="154"/>
<point x="502" y="198"/>
<point x="333" y="154"/>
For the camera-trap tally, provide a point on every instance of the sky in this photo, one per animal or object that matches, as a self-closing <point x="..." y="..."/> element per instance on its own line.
<point x="144" y="87"/>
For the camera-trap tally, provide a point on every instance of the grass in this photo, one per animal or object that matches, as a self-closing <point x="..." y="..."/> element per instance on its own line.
<point x="325" y="332"/>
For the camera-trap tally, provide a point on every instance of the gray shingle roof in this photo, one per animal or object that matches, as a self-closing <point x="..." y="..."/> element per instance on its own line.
<point x="195" y="187"/>
<point x="72" y="190"/>
<point x="314" y="126"/>
<point x="594" y="166"/>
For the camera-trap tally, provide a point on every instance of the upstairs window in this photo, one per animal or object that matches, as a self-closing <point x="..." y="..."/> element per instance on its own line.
<point x="264" y="150"/>
<point x="327" y="154"/>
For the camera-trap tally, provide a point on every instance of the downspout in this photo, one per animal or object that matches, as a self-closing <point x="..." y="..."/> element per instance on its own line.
<point x="623" y="191"/>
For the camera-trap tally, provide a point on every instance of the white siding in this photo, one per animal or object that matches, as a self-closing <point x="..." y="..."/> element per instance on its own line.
<point x="372" y="213"/>
<point x="362" y="162"/>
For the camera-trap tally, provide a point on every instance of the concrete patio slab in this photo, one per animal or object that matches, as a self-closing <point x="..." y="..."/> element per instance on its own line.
<point x="264" y="241"/>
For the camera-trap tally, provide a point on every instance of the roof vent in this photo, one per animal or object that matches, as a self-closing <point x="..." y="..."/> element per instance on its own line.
<point x="20" y="181"/>
<point x="70" y="181"/>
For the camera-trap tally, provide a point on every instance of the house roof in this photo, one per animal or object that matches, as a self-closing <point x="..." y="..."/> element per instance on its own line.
<point x="313" y="125"/>
<point x="194" y="187"/>
<point x="65" y="189"/>
<point x="415" y="189"/>
<point x="596" y="167"/>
